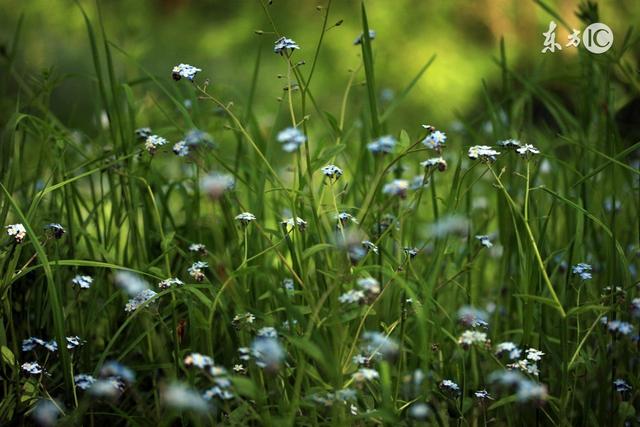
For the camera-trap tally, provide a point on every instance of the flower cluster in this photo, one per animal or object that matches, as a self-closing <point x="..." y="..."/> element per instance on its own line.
<point x="332" y="172"/>
<point x="367" y="289"/>
<point x="171" y="282"/>
<point x="582" y="270"/>
<point x="139" y="300"/>
<point x="184" y="70"/>
<point x="196" y="270"/>
<point x="153" y="142"/>
<point x="245" y="218"/>
<point x="283" y="45"/>
<point x="17" y="232"/>
<point x="383" y="145"/>
<point x="83" y="282"/>
<point x="483" y="152"/>
<point x="291" y="139"/>
<point x="358" y="40"/>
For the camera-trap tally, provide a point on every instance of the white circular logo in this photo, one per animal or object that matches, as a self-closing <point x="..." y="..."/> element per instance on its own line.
<point x="597" y="38"/>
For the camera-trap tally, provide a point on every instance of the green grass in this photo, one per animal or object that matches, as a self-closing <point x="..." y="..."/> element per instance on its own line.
<point x="127" y="210"/>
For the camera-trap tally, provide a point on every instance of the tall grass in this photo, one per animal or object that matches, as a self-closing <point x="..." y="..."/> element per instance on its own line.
<point x="126" y="210"/>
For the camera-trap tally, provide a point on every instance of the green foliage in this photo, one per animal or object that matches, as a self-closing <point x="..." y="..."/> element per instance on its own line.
<point x="131" y="212"/>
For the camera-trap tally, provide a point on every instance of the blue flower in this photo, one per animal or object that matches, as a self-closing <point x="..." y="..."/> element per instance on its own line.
<point x="83" y="282"/>
<point x="383" y="145"/>
<point x="139" y="300"/>
<point x="282" y="44"/>
<point x="55" y="230"/>
<point x="358" y="40"/>
<point x="435" y="140"/>
<point x="184" y="70"/>
<point x="291" y="139"/>
<point x="583" y="270"/>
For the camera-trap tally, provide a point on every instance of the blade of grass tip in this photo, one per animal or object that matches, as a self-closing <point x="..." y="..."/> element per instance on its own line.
<point x="112" y="80"/>
<point x="398" y="99"/>
<point x="317" y="52"/>
<point x="16" y="39"/>
<point x="95" y="53"/>
<point x="553" y="13"/>
<point x="367" y="58"/>
<point x="57" y="309"/>
<point x="615" y="158"/>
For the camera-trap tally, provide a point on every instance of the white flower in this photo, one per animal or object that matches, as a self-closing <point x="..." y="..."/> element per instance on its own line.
<point x="84" y="381"/>
<point x="289" y="224"/>
<point x="525" y="365"/>
<point x="267" y="332"/>
<point x="216" y="184"/>
<point x="139" y="300"/>
<point x="84" y="282"/>
<point x="483" y="152"/>
<point x="510" y="143"/>
<point x="143" y="133"/>
<point x="370" y="246"/>
<point x="282" y="44"/>
<point x="419" y="411"/>
<point x="435" y="140"/>
<point x="533" y="354"/>
<point x="33" y="368"/>
<point x="181" y="149"/>
<point x="268" y="352"/>
<point x="55" y="230"/>
<point x="47" y="412"/>
<point x="288" y="286"/>
<point x="365" y="374"/>
<point x="110" y="387"/>
<point x="527" y="151"/>
<point x="73" y="342"/>
<point x="345" y="217"/>
<point x="182" y="397"/>
<point x="332" y="172"/>
<point x="167" y="283"/>
<point x="196" y="272"/>
<point x="583" y="270"/>
<point x="352" y="297"/>
<point x="358" y="40"/>
<point x="184" y="70"/>
<point x="484" y="241"/>
<point x="471" y="337"/>
<point x="131" y="283"/>
<point x="291" y="139"/>
<point x="411" y="252"/>
<point x="531" y="391"/>
<point x="510" y="348"/>
<point x="198" y="247"/>
<point x="382" y="145"/>
<point x="450" y="387"/>
<point x="17" y="232"/>
<point x="378" y="345"/>
<point x="435" y="162"/>
<point x="369" y="284"/>
<point x="397" y="187"/>
<point x="245" y="218"/>
<point x="198" y="360"/>
<point x="152" y="143"/>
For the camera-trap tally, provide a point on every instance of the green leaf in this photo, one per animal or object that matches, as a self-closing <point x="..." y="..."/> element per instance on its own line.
<point x="7" y="356"/>
<point x="367" y="57"/>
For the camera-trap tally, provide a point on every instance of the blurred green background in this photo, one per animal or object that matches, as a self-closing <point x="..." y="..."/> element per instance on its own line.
<point x="219" y="36"/>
